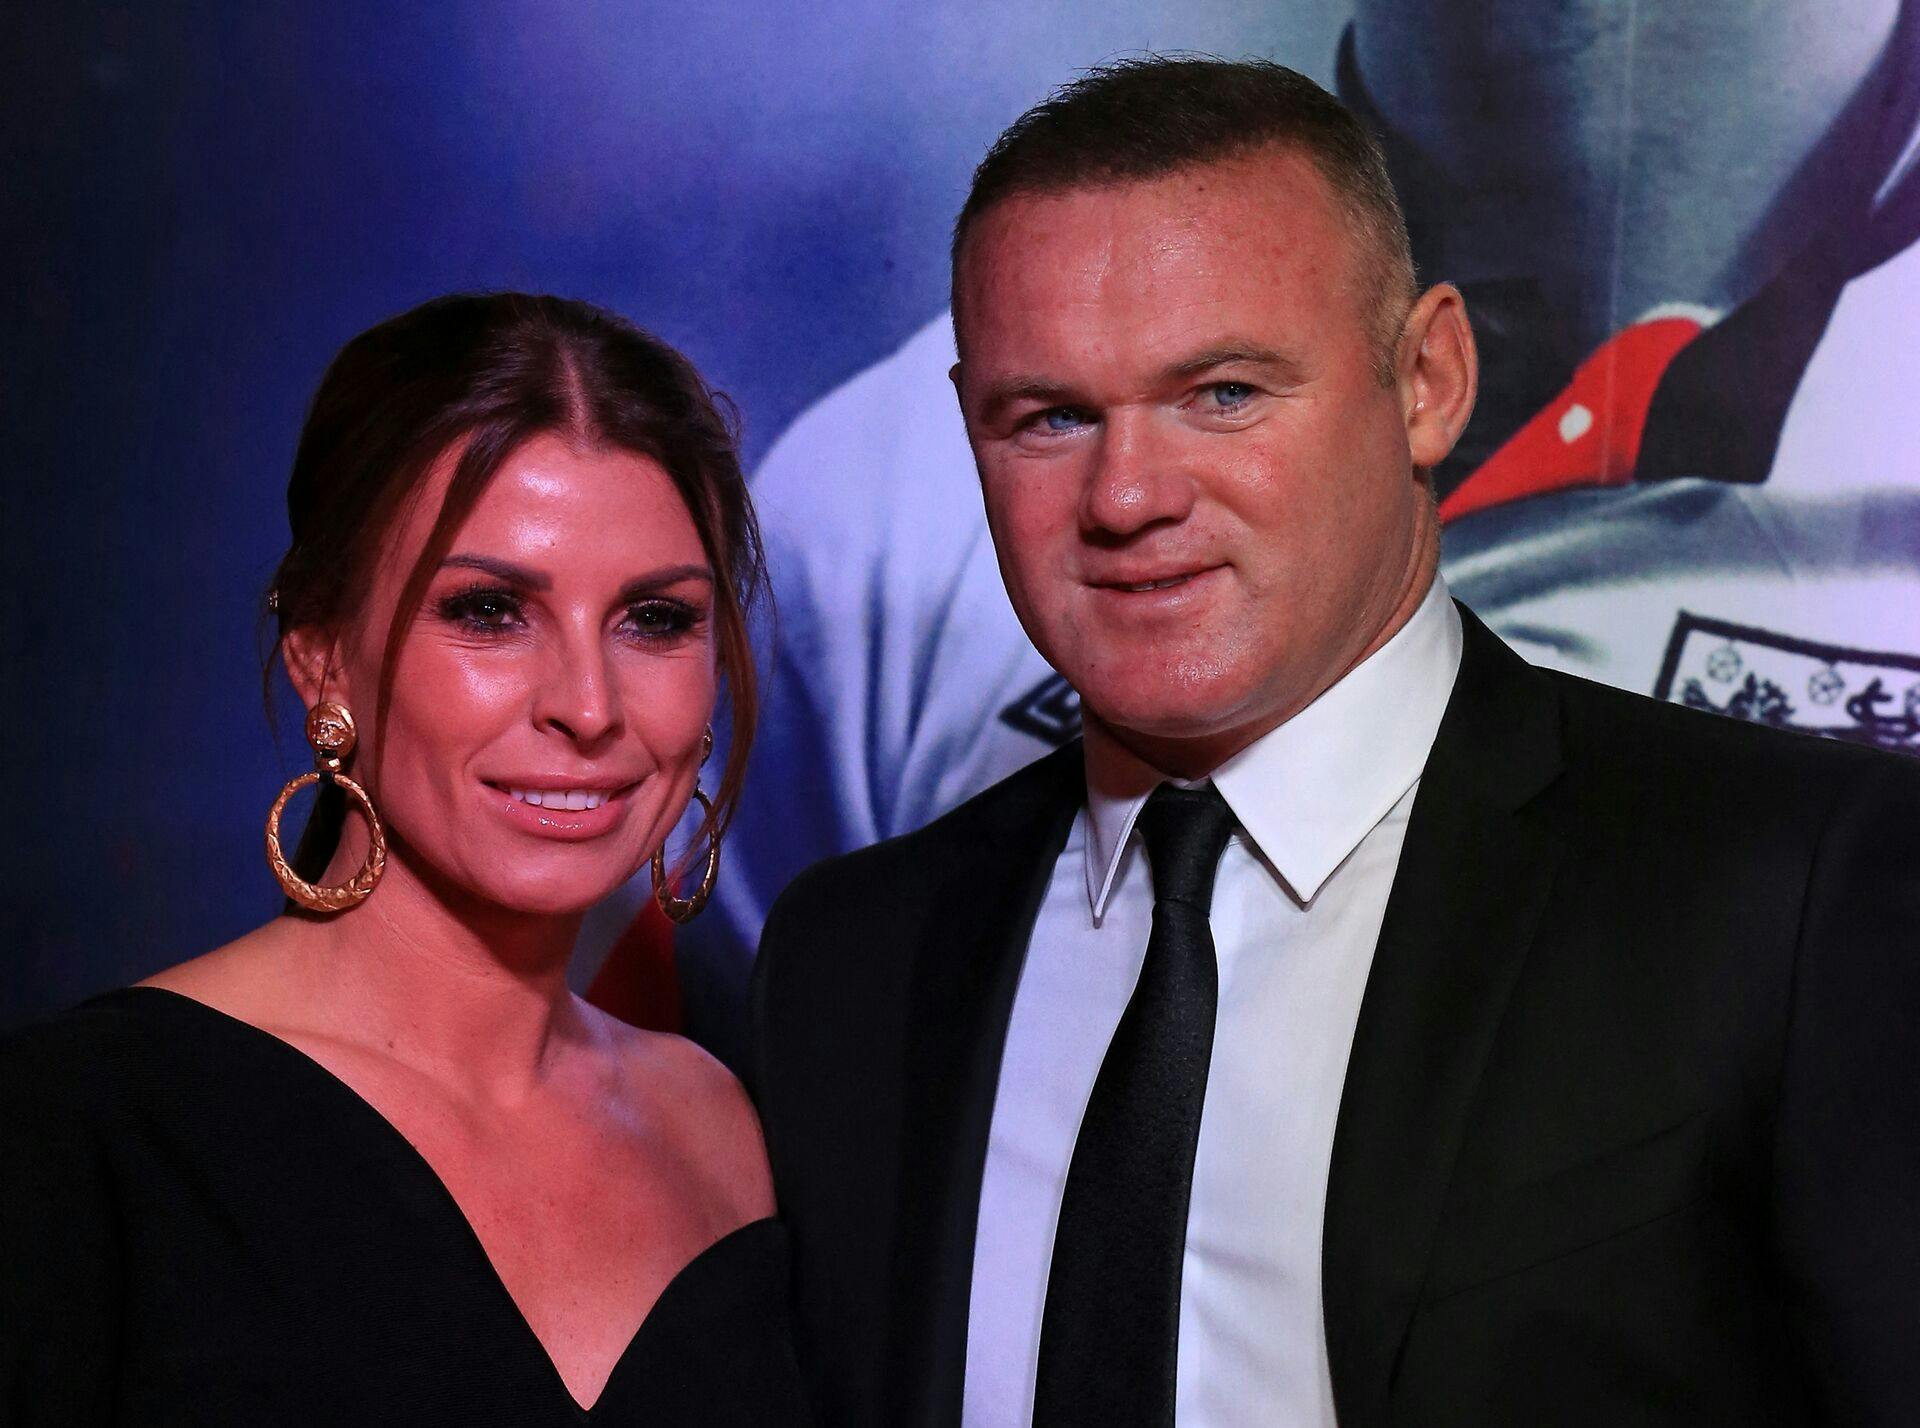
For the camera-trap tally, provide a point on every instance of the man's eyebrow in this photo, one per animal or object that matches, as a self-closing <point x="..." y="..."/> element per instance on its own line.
<point x="502" y="569"/>
<point x="1004" y="393"/>
<point x="1043" y="392"/>
<point x="1237" y="354"/>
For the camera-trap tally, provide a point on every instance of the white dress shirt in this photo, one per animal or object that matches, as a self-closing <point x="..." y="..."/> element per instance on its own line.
<point x="1322" y="803"/>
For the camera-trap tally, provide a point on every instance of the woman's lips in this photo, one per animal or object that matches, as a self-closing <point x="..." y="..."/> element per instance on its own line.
<point x="568" y="814"/>
<point x="569" y="799"/>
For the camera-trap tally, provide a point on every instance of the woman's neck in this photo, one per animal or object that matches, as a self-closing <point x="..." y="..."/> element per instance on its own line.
<point x="471" y="994"/>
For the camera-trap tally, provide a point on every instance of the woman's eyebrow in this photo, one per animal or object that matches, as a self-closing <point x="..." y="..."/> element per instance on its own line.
<point x="504" y="569"/>
<point x="659" y="579"/>
<point x="524" y="578"/>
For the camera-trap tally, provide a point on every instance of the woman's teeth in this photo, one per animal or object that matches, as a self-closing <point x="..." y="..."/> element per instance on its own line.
<point x="572" y="800"/>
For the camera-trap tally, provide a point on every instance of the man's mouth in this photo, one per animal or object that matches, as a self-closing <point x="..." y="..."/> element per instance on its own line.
<point x="1146" y="582"/>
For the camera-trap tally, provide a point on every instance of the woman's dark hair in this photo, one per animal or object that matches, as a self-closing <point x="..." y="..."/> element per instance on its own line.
<point x="492" y="371"/>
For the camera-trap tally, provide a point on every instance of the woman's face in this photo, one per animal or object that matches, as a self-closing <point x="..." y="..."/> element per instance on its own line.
<point x="545" y="727"/>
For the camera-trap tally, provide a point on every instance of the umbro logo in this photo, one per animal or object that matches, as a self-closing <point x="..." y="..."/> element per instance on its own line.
<point x="1050" y="712"/>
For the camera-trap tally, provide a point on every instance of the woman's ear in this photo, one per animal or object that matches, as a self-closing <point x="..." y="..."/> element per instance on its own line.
<point x="312" y="660"/>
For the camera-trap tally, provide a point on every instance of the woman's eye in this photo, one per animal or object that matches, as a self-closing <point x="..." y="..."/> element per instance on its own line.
<point x="482" y="609"/>
<point x="660" y="619"/>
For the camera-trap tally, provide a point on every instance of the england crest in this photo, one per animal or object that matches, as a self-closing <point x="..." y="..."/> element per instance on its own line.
<point x="1860" y="696"/>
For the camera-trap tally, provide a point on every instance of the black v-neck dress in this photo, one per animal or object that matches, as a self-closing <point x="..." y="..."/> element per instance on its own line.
<point x="200" y="1225"/>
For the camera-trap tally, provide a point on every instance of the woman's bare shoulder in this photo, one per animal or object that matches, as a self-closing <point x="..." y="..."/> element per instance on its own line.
<point x="707" y="1112"/>
<point x="244" y="978"/>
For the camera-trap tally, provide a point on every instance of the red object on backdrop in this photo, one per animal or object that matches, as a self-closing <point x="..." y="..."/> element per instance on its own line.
<point x="1590" y="434"/>
<point x="640" y="982"/>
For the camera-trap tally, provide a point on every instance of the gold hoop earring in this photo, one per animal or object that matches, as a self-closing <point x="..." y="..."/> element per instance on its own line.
<point x="331" y="731"/>
<point x="685" y="909"/>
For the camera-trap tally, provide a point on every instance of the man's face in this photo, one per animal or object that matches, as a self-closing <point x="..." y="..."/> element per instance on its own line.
<point x="1200" y="490"/>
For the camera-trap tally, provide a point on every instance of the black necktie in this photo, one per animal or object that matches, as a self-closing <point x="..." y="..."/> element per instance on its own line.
<point x="1110" y="1332"/>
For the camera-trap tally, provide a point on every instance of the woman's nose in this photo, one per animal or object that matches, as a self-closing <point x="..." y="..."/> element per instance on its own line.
<point x="579" y="696"/>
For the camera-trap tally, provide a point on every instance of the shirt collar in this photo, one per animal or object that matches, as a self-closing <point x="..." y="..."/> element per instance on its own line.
<point x="1308" y="791"/>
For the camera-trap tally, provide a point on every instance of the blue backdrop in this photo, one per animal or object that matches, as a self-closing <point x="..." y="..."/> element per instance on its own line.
<point x="203" y="201"/>
<point x="1687" y="236"/>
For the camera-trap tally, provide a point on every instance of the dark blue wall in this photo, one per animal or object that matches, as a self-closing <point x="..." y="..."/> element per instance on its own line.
<point x="201" y="202"/>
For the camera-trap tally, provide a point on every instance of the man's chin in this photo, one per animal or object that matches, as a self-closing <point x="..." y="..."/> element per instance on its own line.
<point x="1167" y="716"/>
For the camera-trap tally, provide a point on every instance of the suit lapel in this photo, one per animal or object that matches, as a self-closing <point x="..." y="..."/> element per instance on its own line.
<point x="1474" y="875"/>
<point x="961" y="997"/>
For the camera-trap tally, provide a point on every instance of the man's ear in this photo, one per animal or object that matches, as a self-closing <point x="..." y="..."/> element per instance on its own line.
<point x="312" y="660"/>
<point x="1438" y="372"/>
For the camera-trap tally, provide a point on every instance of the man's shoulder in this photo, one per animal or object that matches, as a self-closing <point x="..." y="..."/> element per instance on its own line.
<point x="893" y="880"/>
<point x="1631" y="739"/>
<point x="845" y="941"/>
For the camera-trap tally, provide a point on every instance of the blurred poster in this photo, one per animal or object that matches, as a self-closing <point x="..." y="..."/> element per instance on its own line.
<point x="1686" y="234"/>
<point x="1687" y="237"/>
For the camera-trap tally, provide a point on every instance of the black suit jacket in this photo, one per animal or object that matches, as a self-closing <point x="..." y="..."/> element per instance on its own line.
<point x="1631" y="1127"/>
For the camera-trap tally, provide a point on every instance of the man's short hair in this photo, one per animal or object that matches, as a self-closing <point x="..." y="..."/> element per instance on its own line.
<point x="1146" y="118"/>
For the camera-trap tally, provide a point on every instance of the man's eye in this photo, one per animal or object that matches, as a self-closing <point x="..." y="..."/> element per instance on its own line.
<point x="1063" y="418"/>
<point x="1228" y="396"/>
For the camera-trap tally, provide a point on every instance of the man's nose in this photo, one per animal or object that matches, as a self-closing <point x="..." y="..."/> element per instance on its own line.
<point x="579" y="696"/>
<point x="1137" y="478"/>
